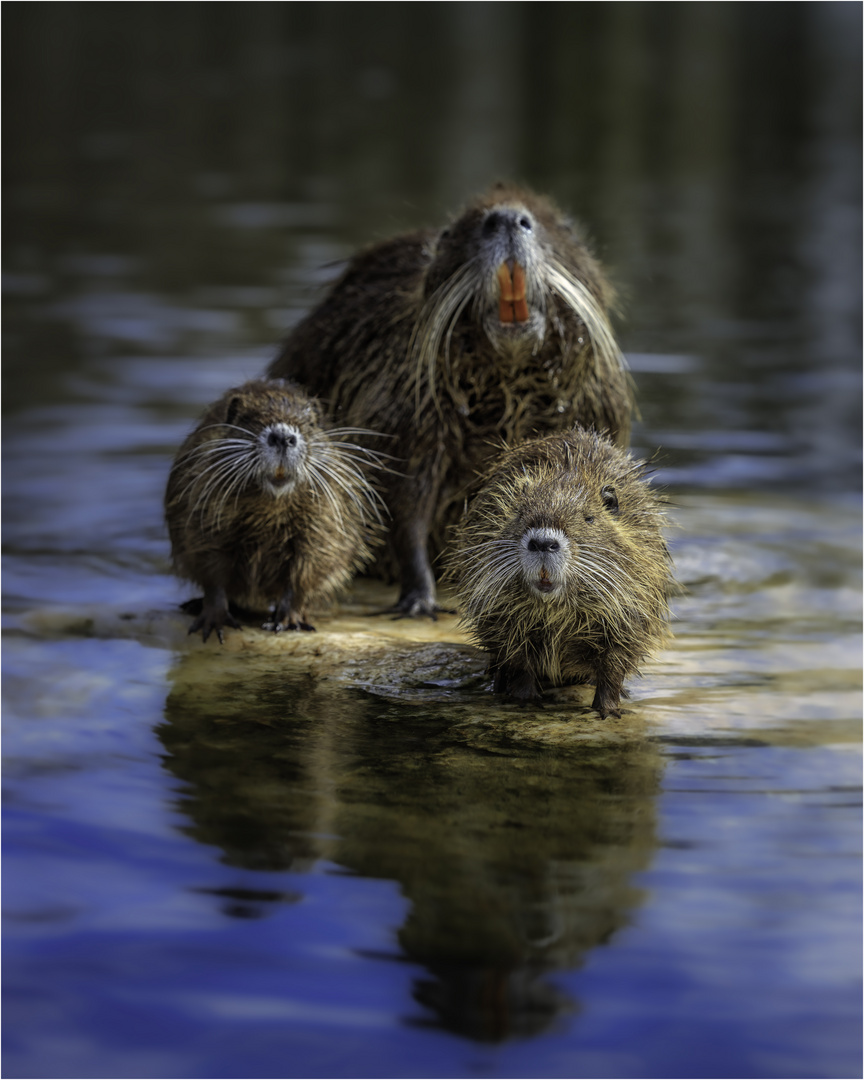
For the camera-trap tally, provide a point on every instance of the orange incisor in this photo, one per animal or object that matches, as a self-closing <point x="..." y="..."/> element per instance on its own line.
<point x="512" y="306"/>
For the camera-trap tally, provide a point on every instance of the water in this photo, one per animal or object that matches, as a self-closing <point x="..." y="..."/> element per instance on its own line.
<point x="277" y="860"/>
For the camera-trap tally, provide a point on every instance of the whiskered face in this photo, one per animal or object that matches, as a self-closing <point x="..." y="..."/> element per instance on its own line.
<point x="281" y="455"/>
<point x="262" y="435"/>
<point x="565" y="533"/>
<point x="511" y="267"/>
<point x="514" y="297"/>
<point x="563" y="537"/>
<point x="493" y="260"/>
<point x="265" y="440"/>
<point x="543" y="554"/>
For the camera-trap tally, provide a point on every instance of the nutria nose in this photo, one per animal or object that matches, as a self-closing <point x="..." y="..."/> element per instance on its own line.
<point x="509" y="221"/>
<point x="542" y="543"/>
<point x="281" y="439"/>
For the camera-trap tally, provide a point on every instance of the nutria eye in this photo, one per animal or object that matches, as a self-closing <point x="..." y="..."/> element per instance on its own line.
<point x="233" y="409"/>
<point x="589" y="518"/>
<point x="610" y="499"/>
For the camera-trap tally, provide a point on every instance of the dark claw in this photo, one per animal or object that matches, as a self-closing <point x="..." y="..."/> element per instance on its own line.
<point x="415" y="609"/>
<point x="208" y="622"/>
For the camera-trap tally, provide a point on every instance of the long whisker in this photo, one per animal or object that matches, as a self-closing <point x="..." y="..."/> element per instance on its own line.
<point x="437" y="319"/>
<point x="215" y="470"/>
<point x="579" y="298"/>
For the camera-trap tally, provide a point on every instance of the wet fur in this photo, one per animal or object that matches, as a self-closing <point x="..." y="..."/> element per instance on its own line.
<point x="245" y="545"/>
<point x="408" y="342"/>
<point x="611" y="566"/>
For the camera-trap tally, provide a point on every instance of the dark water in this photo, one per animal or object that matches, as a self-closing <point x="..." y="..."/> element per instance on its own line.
<point x="217" y="866"/>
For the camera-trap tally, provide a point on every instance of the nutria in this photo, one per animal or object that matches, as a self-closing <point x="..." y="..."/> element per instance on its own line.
<point x="494" y="328"/>
<point x="266" y="507"/>
<point x="561" y="569"/>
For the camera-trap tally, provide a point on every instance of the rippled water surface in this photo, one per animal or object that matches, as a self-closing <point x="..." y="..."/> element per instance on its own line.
<point x="346" y="859"/>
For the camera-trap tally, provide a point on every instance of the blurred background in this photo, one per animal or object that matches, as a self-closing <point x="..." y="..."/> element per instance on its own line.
<point x="180" y="178"/>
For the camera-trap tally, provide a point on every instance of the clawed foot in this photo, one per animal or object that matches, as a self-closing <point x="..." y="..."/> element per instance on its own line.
<point x="415" y="606"/>
<point x="212" y="619"/>
<point x="607" y="701"/>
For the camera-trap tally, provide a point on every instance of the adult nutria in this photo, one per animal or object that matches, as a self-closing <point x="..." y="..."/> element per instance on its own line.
<point x="494" y="328"/>
<point x="266" y="507"/>
<point x="561" y="569"/>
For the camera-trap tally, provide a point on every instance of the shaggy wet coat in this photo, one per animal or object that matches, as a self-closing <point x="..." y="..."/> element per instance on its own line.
<point x="494" y="328"/>
<point x="267" y="508"/>
<point x="561" y="569"/>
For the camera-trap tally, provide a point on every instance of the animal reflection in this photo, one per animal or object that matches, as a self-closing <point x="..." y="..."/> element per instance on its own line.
<point x="516" y="858"/>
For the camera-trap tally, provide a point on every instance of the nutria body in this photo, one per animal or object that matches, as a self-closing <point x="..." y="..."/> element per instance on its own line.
<point x="266" y="507"/>
<point x="494" y="328"/>
<point x="561" y="568"/>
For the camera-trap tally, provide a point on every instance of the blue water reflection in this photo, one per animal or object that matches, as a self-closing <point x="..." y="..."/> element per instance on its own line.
<point x="215" y="868"/>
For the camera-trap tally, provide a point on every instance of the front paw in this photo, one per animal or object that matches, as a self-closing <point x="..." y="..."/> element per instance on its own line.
<point x="212" y="619"/>
<point x="607" y="701"/>
<point x="416" y="605"/>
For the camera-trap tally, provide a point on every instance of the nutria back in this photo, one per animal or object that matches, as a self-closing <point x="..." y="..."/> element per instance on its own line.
<point x="560" y="566"/>
<point x="493" y="328"/>
<point x="266" y="507"/>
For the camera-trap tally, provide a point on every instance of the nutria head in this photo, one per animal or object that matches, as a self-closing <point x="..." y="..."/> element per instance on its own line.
<point x="511" y="266"/>
<point x="265" y="440"/>
<point x="566" y="524"/>
<point x="264" y="436"/>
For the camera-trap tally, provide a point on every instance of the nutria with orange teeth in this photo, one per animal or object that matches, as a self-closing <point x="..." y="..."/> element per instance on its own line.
<point x="266" y="507"/>
<point x="561" y="569"/>
<point x="493" y="328"/>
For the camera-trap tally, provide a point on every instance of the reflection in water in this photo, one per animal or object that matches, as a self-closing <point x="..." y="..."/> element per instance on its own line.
<point x="516" y="863"/>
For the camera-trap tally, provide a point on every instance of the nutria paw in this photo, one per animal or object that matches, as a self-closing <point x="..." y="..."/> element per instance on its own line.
<point x="416" y="605"/>
<point x="212" y="618"/>
<point x="607" y="700"/>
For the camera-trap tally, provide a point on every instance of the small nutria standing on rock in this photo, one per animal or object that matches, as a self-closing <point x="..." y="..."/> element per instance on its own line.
<point x="561" y="568"/>
<point x="492" y="329"/>
<point x="266" y="507"/>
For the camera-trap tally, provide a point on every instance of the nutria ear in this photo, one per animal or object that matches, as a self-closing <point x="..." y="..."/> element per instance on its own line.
<point x="232" y="410"/>
<point x="610" y="498"/>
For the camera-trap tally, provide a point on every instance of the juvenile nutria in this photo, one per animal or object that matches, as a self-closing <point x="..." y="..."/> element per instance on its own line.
<point x="266" y="507"/>
<point x="561" y="568"/>
<point x="494" y="328"/>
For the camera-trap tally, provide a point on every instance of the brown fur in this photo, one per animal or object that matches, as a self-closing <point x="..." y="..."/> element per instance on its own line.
<point x="245" y="539"/>
<point x="410" y="342"/>
<point x="561" y="569"/>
